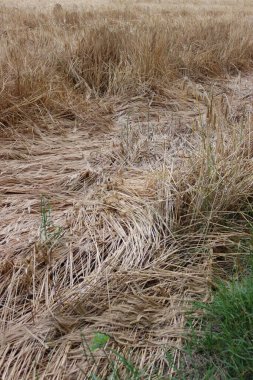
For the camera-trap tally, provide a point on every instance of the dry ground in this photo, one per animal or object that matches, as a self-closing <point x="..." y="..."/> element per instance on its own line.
<point x="126" y="166"/>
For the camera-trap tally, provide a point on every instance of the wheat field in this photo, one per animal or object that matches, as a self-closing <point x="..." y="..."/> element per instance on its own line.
<point x="126" y="171"/>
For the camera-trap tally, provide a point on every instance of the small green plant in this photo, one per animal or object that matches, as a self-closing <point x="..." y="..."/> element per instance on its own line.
<point x="99" y="341"/>
<point x="49" y="233"/>
<point x="115" y="360"/>
<point x="224" y="347"/>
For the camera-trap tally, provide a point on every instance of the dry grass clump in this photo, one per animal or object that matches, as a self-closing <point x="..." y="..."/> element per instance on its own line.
<point x="126" y="165"/>
<point x="47" y="60"/>
<point x="153" y="51"/>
